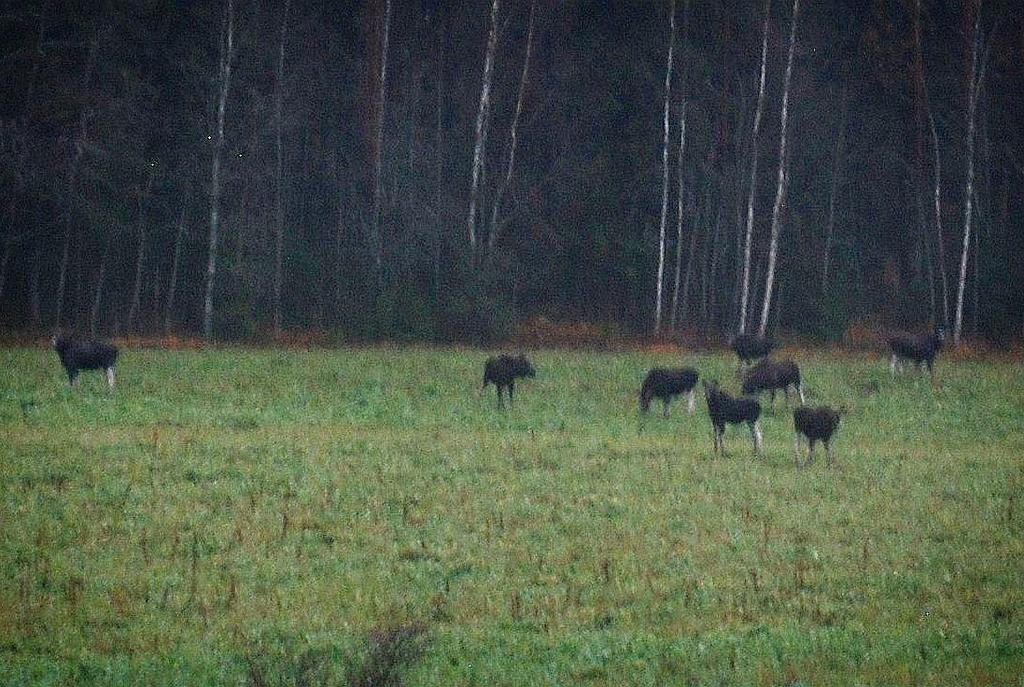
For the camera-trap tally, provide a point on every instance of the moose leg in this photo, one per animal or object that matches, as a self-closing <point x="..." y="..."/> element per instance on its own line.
<point x="810" y="452"/>
<point x="755" y="431"/>
<point x="800" y="388"/>
<point x="828" y="453"/>
<point x="691" y="402"/>
<point x="892" y="365"/>
<point x="501" y="401"/>
<point x="511" y="388"/>
<point x="664" y="403"/>
<point x="796" y="446"/>
<point x="110" y="377"/>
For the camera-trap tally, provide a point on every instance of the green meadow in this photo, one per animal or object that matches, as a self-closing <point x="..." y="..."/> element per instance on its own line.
<point x="356" y="517"/>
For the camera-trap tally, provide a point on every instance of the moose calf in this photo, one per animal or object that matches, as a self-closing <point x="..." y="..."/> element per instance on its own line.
<point x="771" y="376"/>
<point x="666" y="384"/>
<point x="503" y="370"/>
<point x="724" y="409"/>
<point x="85" y="354"/>
<point x="749" y="347"/>
<point x="816" y="424"/>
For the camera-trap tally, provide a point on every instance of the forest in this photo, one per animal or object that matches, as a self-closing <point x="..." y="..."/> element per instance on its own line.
<point x="446" y="171"/>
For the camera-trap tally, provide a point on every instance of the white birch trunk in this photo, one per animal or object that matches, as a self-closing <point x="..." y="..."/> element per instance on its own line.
<point x="94" y="315"/>
<point x="492" y="237"/>
<point x="837" y="169"/>
<point x="482" y="117"/>
<point x="173" y="282"/>
<point x="376" y="234"/>
<point x="279" y="171"/>
<point x="972" y="99"/>
<point x="745" y="283"/>
<point x="679" y="215"/>
<point x="227" y="51"/>
<point x="3" y="268"/>
<point x="780" y="188"/>
<point x="941" y="258"/>
<point x="140" y="256"/>
<point x="664" y="166"/>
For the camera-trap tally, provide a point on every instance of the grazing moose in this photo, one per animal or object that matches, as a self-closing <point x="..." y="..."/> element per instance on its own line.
<point x="503" y="370"/>
<point x="749" y="347"/>
<point x="920" y="349"/>
<point x="666" y="384"/>
<point x="772" y="376"/>
<point x="85" y="354"/>
<point x="724" y="409"/>
<point x="815" y="424"/>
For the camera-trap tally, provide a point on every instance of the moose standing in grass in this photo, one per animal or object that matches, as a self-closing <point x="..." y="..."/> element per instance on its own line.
<point x="85" y="354"/>
<point x="503" y="370"/>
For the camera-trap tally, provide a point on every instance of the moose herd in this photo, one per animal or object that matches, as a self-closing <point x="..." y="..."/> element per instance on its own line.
<point x="760" y="374"/>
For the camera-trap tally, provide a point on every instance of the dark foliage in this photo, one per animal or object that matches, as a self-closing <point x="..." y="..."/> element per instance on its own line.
<point x="389" y="654"/>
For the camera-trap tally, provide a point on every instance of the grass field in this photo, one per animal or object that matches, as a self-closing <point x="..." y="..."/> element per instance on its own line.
<point x="276" y="517"/>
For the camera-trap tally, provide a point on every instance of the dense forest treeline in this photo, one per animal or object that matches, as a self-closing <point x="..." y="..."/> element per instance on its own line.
<point x="442" y="170"/>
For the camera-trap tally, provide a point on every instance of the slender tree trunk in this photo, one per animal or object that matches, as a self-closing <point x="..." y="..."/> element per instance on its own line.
<point x="227" y="52"/>
<point x="279" y="173"/>
<point x="69" y="219"/>
<point x="745" y="284"/>
<point x="972" y="98"/>
<point x="664" y="166"/>
<point x="940" y="241"/>
<point x="94" y="315"/>
<point x="918" y="95"/>
<point x="133" y="309"/>
<point x="3" y="267"/>
<point x="175" y="262"/>
<point x="684" y="300"/>
<point x="679" y="214"/>
<point x="35" y="312"/>
<point x="492" y="237"/>
<point x="780" y="188"/>
<point x="482" y="123"/>
<point x="837" y="168"/>
<point x="439" y="172"/>
<point x="715" y="255"/>
<point x="376" y="231"/>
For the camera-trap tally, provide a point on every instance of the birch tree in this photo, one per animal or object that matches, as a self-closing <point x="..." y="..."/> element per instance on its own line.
<point x="664" y="167"/>
<point x="745" y="283"/>
<point x="279" y="173"/>
<point x="376" y="235"/>
<point x="972" y="101"/>
<point x="172" y="283"/>
<point x="938" y="221"/>
<point x="140" y="254"/>
<point x="492" y="236"/>
<point x="837" y="168"/>
<point x="781" y="184"/>
<point x="227" y="54"/>
<point x="679" y="214"/>
<point x="482" y="123"/>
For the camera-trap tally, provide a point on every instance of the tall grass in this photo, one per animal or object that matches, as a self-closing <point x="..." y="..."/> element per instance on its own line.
<point x="274" y="517"/>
